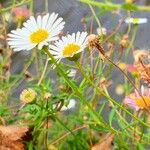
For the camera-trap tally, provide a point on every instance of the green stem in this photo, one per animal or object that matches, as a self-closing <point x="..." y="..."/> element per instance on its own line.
<point x="16" y="5"/>
<point x="109" y="98"/>
<point x="97" y="118"/>
<point x="111" y="6"/>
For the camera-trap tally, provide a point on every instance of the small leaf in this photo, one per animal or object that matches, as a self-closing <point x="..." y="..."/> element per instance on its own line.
<point x="130" y="7"/>
<point x="140" y="146"/>
<point x="112" y="115"/>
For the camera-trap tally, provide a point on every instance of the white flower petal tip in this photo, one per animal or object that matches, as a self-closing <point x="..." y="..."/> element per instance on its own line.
<point x="72" y="73"/>
<point x="69" y="45"/>
<point x="71" y="105"/>
<point x="36" y="32"/>
<point x="136" y="20"/>
<point x="101" y="31"/>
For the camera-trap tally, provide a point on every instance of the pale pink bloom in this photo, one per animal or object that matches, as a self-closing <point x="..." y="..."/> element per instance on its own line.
<point x="21" y="13"/>
<point x="139" y="100"/>
<point x="131" y="68"/>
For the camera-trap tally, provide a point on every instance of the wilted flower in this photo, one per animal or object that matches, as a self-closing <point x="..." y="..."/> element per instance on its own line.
<point x="104" y="83"/>
<point x="140" y="55"/>
<point x="124" y="41"/>
<point x="136" y="20"/>
<point x="69" y="45"/>
<point x="36" y="32"/>
<point x="21" y="13"/>
<point x="139" y="101"/>
<point x="142" y="64"/>
<point x="27" y="95"/>
<point x="92" y="40"/>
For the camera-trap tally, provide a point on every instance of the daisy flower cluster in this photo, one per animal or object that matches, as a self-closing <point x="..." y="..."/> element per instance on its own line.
<point x="44" y="31"/>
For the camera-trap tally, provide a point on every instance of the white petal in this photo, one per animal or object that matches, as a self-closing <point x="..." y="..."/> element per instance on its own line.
<point x="45" y="20"/>
<point x="39" y="21"/>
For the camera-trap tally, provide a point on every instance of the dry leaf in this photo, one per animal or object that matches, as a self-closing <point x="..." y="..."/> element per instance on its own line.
<point x="11" y="137"/>
<point x="105" y="144"/>
<point x="140" y="55"/>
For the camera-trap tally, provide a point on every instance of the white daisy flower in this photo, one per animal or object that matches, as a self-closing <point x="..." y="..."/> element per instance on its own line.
<point x="36" y="32"/>
<point x="136" y="20"/>
<point x="69" y="45"/>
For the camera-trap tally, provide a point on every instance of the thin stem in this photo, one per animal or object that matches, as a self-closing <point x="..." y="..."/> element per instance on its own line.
<point x="46" y="5"/>
<point x="96" y="18"/>
<point x="112" y="6"/>
<point x="109" y="98"/>
<point x="44" y="71"/>
<point x="16" y="5"/>
<point x="68" y="133"/>
<point x="97" y="118"/>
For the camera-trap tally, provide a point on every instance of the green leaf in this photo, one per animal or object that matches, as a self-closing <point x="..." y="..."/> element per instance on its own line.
<point x="102" y="108"/>
<point x="130" y="7"/>
<point x="140" y="146"/>
<point x="112" y="115"/>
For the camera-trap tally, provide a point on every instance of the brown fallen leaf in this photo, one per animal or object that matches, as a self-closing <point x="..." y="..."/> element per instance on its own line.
<point x="11" y="137"/>
<point x="105" y="144"/>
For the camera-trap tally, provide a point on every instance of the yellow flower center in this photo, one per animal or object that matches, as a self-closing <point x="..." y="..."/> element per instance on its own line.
<point x="135" y="20"/>
<point x="143" y="102"/>
<point x="70" y="49"/>
<point x="39" y="36"/>
<point x="27" y="95"/>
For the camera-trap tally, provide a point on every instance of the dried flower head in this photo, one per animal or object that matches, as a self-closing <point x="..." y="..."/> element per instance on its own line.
<point x="124" y="41"/>
<point x="94" y="42"/>
<point x="28" y="76"/>
<point x="142" y="64"/>
<point x="104" y="83"/>
<point x="140" y="55"/>
<point x="28" y="95"/>
<point x="139" y="101"/>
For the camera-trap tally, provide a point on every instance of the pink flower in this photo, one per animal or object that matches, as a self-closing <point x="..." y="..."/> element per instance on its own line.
<point x="139" y="100"/>
<point x="21" y="13"/>
<point x="131" y="68"/>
